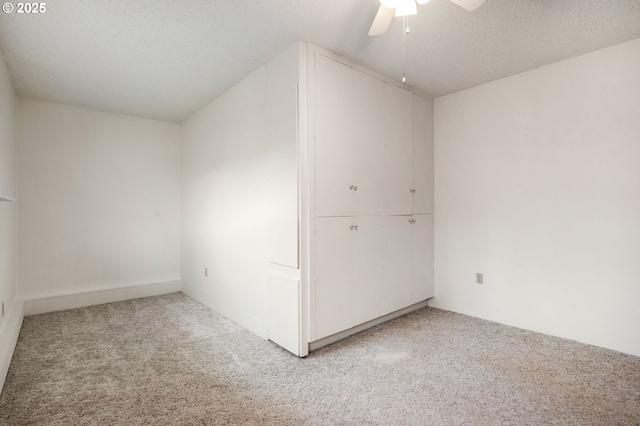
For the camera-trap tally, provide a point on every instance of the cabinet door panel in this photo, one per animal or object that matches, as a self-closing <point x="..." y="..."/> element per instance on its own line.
<point x="399" y="257"/>
<point x="334" y="293"/>
<point x="422" y="259"/>
<point x="368" y="269"/>
<point x="368" y="144"/>
<point x="398" y="149"/>
<point x="335" y="131"/>
<point x="422" y="155"/>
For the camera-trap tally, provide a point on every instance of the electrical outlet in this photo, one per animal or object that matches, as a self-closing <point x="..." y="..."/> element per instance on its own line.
<point x="206" y="272"/>
<point x="479" y="278"/>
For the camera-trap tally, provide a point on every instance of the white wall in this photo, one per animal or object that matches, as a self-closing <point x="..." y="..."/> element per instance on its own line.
<point x="224" y="204"/>
<point x="537" y="185"/>
<point x="11" y="319"/>
<point x="99" y="200"/>
<point x="7" y="132"/>
<point x="7" y="190"/>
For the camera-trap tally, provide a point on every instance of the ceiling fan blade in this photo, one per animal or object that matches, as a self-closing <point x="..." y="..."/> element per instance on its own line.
<point x="469" y="4"/>
<point x="381" y="21"/>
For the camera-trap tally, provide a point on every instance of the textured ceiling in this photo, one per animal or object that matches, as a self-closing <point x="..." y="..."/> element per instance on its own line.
<point x="165" y="59"/>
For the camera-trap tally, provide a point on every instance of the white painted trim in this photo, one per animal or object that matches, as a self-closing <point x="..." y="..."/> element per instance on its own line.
<point x="308" y="201"/>
<point x="9" y="337"/>
<point x="358" y="328"/>
<point x="234" y="313"/>
<point x="303" y="199"/>
<point x="60" y="302"/>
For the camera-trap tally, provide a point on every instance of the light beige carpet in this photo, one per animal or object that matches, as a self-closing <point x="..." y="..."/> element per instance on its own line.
<point x="169" y="360"/>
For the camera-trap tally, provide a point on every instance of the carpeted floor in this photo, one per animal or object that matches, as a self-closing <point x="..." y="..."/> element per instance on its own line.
<point x="169" y="360"/>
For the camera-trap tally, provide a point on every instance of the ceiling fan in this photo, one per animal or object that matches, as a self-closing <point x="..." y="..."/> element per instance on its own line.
<point x="390" y="8"/>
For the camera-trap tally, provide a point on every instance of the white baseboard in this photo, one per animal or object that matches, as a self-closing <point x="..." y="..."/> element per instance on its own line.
<point x="250" y="322"/>
<point x="54" y="303"/>
<point x="9" y="337"/>
<point x="358" y="328"/>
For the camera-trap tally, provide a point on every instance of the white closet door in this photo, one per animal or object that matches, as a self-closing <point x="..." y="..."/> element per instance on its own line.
<point x="399" y="257"/>
<point x="368" y="144"/>
<point x="334" y="293"/>
<point x="422" y="259"/>
<point x="422" y="155"/>
<point x="335" y="130"/>
<point x="397" y="131"/>
<point x="369" y="282"/>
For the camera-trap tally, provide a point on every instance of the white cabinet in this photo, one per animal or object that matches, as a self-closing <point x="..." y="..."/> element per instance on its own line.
<point x="363" y="143"/>
<point x="398" y="262"/>
<point x="397" y="117"/>
<point x="408" y="260"/>
<point x="369" y="283"/>
<point x="369" y="266"/>
<point x="335" y="151"/>
<point x="368" y="143"/>
<point x="350" y="281"/>
<point x="372" y="161"/>
<point x="334" y="274"/>
<point x="421" y="283"/>
<point x="422" y="156"/>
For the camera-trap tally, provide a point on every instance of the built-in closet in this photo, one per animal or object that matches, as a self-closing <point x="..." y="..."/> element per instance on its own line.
<point x="351" y="198"/>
